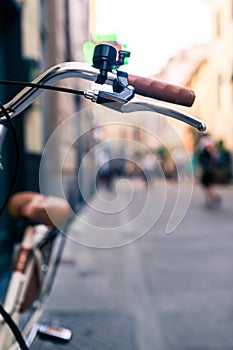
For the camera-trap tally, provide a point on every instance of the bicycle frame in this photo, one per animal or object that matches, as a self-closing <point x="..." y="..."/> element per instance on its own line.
<point x="21" y="296"/>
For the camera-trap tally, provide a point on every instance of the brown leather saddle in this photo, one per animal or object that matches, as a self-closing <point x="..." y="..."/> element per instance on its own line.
<point x="48" y="210"/>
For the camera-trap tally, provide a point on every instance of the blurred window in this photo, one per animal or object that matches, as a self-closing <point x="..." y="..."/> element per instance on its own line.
<point x="218" y="24"/>
<point x="219" y="90"/>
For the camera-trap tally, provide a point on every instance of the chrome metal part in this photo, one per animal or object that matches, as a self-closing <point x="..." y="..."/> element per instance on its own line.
<point x="136" y="106"/>
<point x="91" y="95"/>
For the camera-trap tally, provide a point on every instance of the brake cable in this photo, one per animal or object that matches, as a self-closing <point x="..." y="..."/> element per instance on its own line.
<point x="42" y="86"/>
<point x="14" y="328"/>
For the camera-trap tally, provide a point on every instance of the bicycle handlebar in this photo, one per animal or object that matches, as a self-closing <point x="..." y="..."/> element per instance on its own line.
<point x="143" y="86"/>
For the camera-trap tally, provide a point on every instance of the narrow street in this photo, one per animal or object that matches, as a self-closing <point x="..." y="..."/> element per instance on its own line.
<point x="160" y="292"/>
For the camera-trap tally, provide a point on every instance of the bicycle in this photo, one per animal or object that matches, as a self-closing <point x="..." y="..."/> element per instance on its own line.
<point x="105" y="71"/>
<point x="35" y="258"/>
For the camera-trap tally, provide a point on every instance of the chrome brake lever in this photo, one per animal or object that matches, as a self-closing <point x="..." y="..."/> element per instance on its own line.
<point x="142" y="105"/>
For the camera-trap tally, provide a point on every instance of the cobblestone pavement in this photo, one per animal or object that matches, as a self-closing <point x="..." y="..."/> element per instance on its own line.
<point x="160" y="292"/>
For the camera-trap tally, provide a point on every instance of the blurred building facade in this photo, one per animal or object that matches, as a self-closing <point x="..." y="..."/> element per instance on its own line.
<point x="50" y="32"/>
<point x="214" y="80"/>
<point x="208" y="70"/>
<point x="181" y="70"/>
<point x="35" y="35"/>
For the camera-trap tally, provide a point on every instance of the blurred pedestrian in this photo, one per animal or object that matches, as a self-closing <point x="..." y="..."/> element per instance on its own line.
<point x="225" y="163"/>
<point x="148" y="164"/>
<point x="208" y="157"/>
<point x="104" y="175"/>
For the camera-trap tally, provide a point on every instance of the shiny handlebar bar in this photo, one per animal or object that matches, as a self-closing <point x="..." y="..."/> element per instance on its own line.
<point x="163" y="91"/>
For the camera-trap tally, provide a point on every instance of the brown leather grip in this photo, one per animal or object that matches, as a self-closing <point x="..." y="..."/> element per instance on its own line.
<point x="161" y="90"/>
